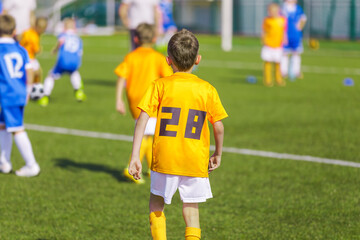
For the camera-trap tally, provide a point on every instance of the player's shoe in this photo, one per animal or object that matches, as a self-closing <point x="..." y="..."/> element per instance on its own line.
<point x="148" y="172"/>
<point x="128" y="176"/>
<point x="5" y="167"/>
<point x="28" y="171"/>
<point x="80" y="95"/>
<point x="44" y="101"/>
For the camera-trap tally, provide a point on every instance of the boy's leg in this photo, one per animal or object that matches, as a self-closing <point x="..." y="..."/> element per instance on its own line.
<point x="157" y="217"/>
<point x="23" y="143"/>
<point x="278" y="76"/>
<point x="5" y="145"/>
<point x="191" y="217"/>
<point x="296" y="65"/>
<point x="268" y="74"/>
<point x="284" y="65"/>
<point x="49" y="83"/>
<point x="76" y="83"/>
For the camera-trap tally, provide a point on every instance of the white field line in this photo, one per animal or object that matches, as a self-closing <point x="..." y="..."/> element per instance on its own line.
<point x="126" y="138"/>
<point x="225" y="64"/>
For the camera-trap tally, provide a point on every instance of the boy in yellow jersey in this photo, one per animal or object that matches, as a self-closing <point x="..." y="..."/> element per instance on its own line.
<point x="183" y="103"/>
<point x="30" y="40"/>
<point x="139" y="69"/>
<point x="273" y="37"/>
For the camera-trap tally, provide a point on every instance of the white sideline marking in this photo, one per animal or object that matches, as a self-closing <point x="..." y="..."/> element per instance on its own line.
<point x="224" y="64"/>
<point x="126" y="138"/>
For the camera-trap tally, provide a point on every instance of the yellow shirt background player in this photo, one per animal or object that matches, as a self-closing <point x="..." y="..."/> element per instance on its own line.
<point x="183" y="104"/>
<point x="139" y="69"/>
<point x="30" y="40"/>
<point x="273" y="38"/>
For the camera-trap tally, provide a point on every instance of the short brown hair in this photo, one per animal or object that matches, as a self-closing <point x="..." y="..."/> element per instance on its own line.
<point x="145" y="33"/>
<point x="7" y="25"/>
<point x="183" y="49"/>
<point x="41" y="22"/>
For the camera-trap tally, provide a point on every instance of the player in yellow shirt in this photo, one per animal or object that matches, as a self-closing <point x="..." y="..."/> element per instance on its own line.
<point x="30" y="40"/>
<point x="183" y="104"/>
<point x="136" y="73"/>
<point x="273" y="37"/>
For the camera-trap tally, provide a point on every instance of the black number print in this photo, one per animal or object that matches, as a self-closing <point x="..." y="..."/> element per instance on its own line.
<point x="174" y="120"/>
<point x="194" y="124"/>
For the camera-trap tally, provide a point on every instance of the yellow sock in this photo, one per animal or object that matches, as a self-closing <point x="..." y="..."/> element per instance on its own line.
<point x="267" y="74"/>
<point x="192" y="233"/>
<point x="278" y="76"/>
<point x="148" y="151"/>
<point x="158" y="225"/>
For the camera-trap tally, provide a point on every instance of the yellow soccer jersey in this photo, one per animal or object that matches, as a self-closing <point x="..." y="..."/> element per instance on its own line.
<point x="140" y="68"/>
<point x="183" y="103"/>
<point x="274" y="30"/>
<point x="31" y="42"/>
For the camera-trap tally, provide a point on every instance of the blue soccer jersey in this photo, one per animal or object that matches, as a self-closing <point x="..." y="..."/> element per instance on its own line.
<point x="14" y="60"/>
<point x="166" y="7"/>
<point x="293" y="15"/>
<point x="70" y="53"/>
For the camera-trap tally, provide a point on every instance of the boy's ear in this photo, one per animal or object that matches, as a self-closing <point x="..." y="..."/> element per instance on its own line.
<point x="168" y="60"/>
<point x="198" y="59"/>
<point x="136" y="40"/>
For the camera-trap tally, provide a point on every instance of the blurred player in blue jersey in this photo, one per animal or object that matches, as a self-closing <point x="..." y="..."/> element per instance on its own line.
<point x="69" y="48"/>
<point x="296" y="20"/>
<point x="15" y="71"/>
<point x="167" y="26"/>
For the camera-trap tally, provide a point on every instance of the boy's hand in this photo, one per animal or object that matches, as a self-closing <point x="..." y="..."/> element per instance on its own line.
<point x="135" y="168"/>
<point x="214" y="162"/>
<point x="120" y="107"/>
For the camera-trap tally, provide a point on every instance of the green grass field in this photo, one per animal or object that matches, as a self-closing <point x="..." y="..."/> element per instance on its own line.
<point x="81" y="194"/>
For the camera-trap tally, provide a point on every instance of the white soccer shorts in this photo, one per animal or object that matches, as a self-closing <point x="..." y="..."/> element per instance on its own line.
<point x="35" y="65"/>
<point x="269" y="54"/>
<point x="191" y="189"/>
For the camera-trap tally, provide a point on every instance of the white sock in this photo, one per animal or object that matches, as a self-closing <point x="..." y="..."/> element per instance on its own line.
<point x="49" y="83"/>
<point x="24" y="145"/>
<point x="5" y="145"/>
<point x="284" y="65"/>
<point x="75" y="79"/>
<point x="296" y="65"/>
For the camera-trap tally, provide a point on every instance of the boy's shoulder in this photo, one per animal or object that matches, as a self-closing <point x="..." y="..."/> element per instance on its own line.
<point x="186" y="77"/>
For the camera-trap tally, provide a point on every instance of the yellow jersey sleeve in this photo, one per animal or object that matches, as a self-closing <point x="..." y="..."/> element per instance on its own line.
<point x="216" y="111"/>
<point x="151" y="100"/>
<point x="31" y="42"/>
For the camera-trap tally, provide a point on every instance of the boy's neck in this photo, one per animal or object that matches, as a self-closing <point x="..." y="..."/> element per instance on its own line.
<point x="6" y="36"/>
<point x="175" y="70"/>
<point x="146" y="45"/>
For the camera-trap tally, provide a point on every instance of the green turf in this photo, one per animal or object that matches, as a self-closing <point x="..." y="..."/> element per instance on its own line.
<point x="81" y="193"/>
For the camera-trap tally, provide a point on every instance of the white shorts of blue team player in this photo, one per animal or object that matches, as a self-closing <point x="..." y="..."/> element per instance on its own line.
<point x="269" y="54"/>
<point x="191" y="189"/>
<point x="12" y="118"/>
<point x="35" y="65"/>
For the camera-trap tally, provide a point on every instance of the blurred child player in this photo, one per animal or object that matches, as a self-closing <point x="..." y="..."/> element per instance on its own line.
<point x="138" y="70"/>
<point x="274" y="27"/>
<point x="183" y="103"/>
<point x="15" y="71"/>
<point x="167" y="26"/>
<point x="30" y="40"/>
<point x="296" y="20"/>
<point x="70" y="49"/>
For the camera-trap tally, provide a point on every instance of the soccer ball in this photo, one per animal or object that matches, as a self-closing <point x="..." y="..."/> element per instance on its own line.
<point x="37" y="91"/>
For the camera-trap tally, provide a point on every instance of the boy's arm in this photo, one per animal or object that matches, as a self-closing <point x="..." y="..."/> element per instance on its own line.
<point x="135" y="167"/>
<point x="215" y="159"/>
<point x="123" y="13"/>
<point x="56" y="48"/>
<point x="120" y="106"/>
